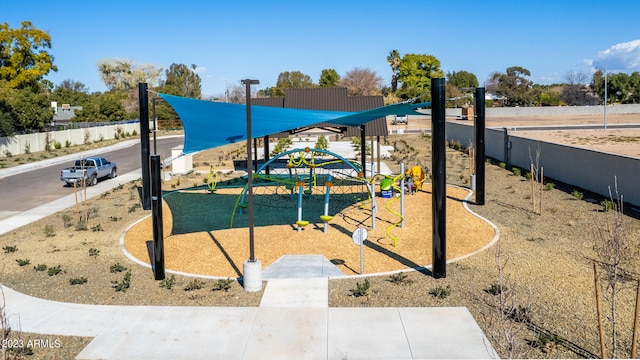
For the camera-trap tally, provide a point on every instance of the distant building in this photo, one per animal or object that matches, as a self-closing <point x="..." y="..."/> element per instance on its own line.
<point x="62" y="115"/>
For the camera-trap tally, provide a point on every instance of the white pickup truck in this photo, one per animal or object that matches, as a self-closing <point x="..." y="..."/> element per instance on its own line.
<point x="90" y="169"/>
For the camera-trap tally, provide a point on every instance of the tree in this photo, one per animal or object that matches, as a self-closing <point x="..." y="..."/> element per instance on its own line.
<point x="361" y="82"/>
<point x="182" y="81"/>
<point x="71" y="92"/>
<point x="575" y="92"/>
<point x="24" y="60"/>
<point x="293" y="79"/>
<point x="328" y="78"/>
<point x="31" y="109"/>
<point x="394" y="61"/>
<point x="123" y="74"/>
<point x="462" y="80"/>
<point x="513" y="86"/>
<point x="104" y="107"/>
<point x="415" y="74"/>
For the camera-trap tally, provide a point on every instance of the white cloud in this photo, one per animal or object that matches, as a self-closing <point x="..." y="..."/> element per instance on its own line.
<point x="623" y="57"/>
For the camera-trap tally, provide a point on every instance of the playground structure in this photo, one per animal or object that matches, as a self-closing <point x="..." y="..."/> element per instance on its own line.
<point x="323" y="184"/>
<point x="307" y="175"/>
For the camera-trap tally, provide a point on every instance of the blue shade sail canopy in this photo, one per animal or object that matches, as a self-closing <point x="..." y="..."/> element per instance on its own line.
<point x="210" y="124"/>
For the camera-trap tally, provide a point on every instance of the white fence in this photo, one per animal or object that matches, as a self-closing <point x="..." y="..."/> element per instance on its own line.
<point x="37" y="142"/>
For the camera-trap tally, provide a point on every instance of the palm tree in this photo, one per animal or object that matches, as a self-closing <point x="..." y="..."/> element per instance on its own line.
<point x="394" y="62"/>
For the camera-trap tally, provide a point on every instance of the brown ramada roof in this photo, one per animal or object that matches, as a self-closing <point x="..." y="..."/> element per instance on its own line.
<point x="335" y="99"/>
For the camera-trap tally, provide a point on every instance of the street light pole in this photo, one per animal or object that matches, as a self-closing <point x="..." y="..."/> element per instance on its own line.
<point x="252" y="277"/>
<point x="605" y="95"/>
<point x="605" y="99"/>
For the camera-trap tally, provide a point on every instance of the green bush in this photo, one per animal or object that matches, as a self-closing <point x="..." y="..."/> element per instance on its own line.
<point x="577" y="194"/>
<point x="123" y="285"/>
<point x="516" y="171"/>
<point x="23" y="262"/>
<point x="57" y="145"/>
<point x="49" y="231"/>
<point x="40" y="267"/>
<point x="117" y="267"/>
<point x="502" y="165"/>
<point x="606" y="205"/>
<point x="441" y="292"/>
<point x="52" y="271"/>
<point x="10" y="249"/>
<point x="361" y="289"/>
<point x="94" y="252"/>
<point x="223" y="284"/>
<point x="549" y="186"/>
<point x="167" y="283"/>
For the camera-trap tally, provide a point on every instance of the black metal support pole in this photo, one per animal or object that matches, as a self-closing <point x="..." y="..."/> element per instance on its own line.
<point x="144" y="144"/>
<point x="249" y="192"/>
<point x="439" y="191"/>
<point x="255" y="155"/>
<point x="156" y="210"/>
<point x="266" y="154"/>
<point x="363" y="151"/>
<point x="480" y="145"/>
<point x="155" y="124"/>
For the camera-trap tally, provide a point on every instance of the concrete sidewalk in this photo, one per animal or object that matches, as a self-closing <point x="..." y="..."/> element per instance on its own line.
<point x="292" y="322"/>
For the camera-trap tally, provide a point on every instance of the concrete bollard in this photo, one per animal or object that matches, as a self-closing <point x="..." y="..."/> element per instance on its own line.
<point x="252" y="279"/>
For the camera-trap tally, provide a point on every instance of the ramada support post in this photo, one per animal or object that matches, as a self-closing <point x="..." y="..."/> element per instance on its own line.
<point x="480" y="145"/>
<point x="143" y="97"/>
<point x="439" y="191"/>
<point x="156" y="209"/>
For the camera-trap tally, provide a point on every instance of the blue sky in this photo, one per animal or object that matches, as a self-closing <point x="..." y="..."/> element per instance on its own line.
<point x="234" y="40"/>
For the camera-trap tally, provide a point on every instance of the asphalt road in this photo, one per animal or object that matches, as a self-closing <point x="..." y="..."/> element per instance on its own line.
<point x="33" y="188"/>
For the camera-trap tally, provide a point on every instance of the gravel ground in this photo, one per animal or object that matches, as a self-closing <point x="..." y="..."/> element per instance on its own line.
<point x="546" y="266"/>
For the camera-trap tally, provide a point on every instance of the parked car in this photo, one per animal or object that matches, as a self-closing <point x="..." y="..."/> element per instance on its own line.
<point x="90" y="169"/>
<point x="400" y="119"/>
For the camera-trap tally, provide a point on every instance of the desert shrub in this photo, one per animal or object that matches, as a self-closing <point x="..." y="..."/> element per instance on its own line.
<point x="49" y="231"/>
<point x="222" y="284"/>
<point x="96" y="228"/>
<point x="167" y="283"/>
<point x="67" y="144"/>
<point x="10" y="249"/>
<point x="115" y="218"/>
<point x="502" y="165"/>
<point x="40" y="267"/>
<point x="94" y="252"/>
<point x="57" y="145"/>
<point x="441" y="292"/>
<point x="133" y="207"/>
<point x="361" y="289"/>
<point x="23" y="262"/>
<point x="549" y="186"/>
<point x="55" y="270"/>
<point x="577" y="194"/>
<point x="117" y="267"/>
<point x="78" y="281"/>
<point x="123" y="285"/>
<point x="194" y="284"/>
<point x="398" y="278"/>
<point x="496" y="289"/>
<point x="66" y="220"/>
<point x="606" y="205"/>
<point x="81" y="226"/>
<point x="516" y="171"/>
